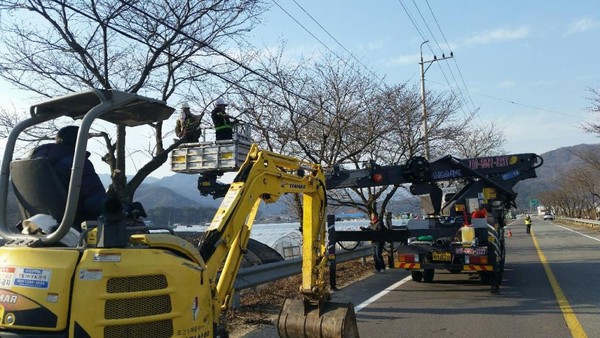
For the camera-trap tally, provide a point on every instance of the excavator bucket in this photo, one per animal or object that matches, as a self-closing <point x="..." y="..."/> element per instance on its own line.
<point x="299" y="319"/>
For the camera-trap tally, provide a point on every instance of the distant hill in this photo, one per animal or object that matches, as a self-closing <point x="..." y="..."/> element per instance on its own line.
<point x="152" y="196"/>
<point x="180" y="190"/>
<point x="556" y="162"/>
<point x="187" y="186"/>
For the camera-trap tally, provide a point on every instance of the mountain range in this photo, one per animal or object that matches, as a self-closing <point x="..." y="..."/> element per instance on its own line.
<point x="179" y="190"/>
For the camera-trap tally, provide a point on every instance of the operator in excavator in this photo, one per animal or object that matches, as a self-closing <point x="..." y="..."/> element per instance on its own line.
<point x="60" y="156"/>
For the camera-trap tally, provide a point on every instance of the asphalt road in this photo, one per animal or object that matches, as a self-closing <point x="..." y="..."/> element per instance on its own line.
<point x="547" y="292"/>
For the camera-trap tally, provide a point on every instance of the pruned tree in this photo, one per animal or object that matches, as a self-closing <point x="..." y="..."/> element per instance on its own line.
<point x="594" y="98"/>
<point x="329" y="111"/>
<point x="55" y="47"/>
<point x="477" y="139"/>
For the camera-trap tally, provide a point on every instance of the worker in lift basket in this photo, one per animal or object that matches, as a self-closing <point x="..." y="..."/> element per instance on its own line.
<point x="222" y="121"/>
<point x="187" y="127"/>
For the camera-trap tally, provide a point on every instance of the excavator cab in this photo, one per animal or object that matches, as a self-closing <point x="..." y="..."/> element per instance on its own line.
<point x="34" y="182"/>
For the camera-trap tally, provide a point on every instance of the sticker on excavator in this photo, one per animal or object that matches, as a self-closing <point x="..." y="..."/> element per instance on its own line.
<point x="7" y="274"/>
<point x="32" y="278"/>
<point x="445" y="256"/>
<point x="225" y="204"/>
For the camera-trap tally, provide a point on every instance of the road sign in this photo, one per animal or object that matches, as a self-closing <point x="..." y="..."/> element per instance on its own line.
<point x="534" y="203"/>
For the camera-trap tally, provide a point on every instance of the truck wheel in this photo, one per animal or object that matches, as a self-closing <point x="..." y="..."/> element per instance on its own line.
<point x="416" y="275"/>
<point x="428" y="275"/>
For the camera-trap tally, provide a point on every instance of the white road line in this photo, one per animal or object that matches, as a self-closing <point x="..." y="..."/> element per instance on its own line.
<point x="579" y="233"/>
<point x="381" y="294"/>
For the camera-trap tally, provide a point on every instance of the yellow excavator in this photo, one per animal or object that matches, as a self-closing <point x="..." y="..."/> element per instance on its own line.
<point x="113" y="279"/>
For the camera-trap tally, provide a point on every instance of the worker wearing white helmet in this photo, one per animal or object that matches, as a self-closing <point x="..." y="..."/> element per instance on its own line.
<point x="222" y="121"/>
<point x="187" y="127"/>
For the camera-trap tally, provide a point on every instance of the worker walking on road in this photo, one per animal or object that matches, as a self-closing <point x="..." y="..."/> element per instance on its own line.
<point x="528" y="223"/>
<point x="377" y="225"/>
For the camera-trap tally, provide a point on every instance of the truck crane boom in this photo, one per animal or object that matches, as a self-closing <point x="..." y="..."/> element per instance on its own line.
<point x="500" y="172"/>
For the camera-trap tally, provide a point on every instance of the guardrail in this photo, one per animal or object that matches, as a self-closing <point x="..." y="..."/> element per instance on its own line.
<point x="589" y="223"/>
<point x="261" y="274"/>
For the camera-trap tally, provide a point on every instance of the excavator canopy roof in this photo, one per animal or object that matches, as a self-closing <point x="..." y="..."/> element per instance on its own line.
<point x="138" y="110"/>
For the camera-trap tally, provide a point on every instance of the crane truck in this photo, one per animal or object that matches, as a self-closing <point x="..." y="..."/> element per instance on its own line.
<point x="122" y="280"/>
<point x="464" y="229"/>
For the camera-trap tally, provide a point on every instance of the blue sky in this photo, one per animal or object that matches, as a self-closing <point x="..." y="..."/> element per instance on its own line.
<point x="525" y="64"/>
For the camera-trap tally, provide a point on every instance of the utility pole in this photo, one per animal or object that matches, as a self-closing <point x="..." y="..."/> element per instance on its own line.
<point x="423" y="71"/>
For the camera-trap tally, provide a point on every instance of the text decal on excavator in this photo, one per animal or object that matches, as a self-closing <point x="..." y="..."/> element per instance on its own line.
<point x="444" y="174"/>
<point x="25" y="277"/>
<point x="489" y="162"/>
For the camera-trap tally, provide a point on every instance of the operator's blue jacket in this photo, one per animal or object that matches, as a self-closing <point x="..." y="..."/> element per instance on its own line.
<point x="92" y="194"/>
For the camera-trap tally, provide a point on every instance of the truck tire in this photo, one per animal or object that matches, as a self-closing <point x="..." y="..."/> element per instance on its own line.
<point x="428" y="275"/>
<point x="416" y="275"/>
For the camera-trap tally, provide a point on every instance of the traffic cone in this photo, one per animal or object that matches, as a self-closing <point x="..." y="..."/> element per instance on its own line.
<point x="509" y="234"/>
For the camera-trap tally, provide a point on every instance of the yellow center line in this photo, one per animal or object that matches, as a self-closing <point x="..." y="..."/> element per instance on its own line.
<point x="563" y="303"/>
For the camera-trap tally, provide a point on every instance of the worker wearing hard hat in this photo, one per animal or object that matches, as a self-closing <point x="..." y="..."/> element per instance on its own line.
<point x="223" y="122"/>
<point x="188" y="125"/>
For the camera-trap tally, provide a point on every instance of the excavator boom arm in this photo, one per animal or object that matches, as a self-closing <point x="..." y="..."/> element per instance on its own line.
<point x="266" y="176"/>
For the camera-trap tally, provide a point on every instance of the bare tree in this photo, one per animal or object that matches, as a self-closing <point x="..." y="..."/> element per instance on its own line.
<point x="476" y="140"/>
<point x="58" y="46"/>
<point x="594" y="99"/>
<point x="329" y="111"/>
<point x="577" y="194"/>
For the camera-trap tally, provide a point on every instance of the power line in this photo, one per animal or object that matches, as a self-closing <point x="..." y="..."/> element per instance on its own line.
<point x="334" y="39"/>
<point x="220" y="76"/>
<point x="431" y="50"/>
<point x="233" y="83"/>
<point x="513" y="102"/>
<point x="440" y="48"/>
<point x="455" y="62"/>
<point x="308" y="31"/>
